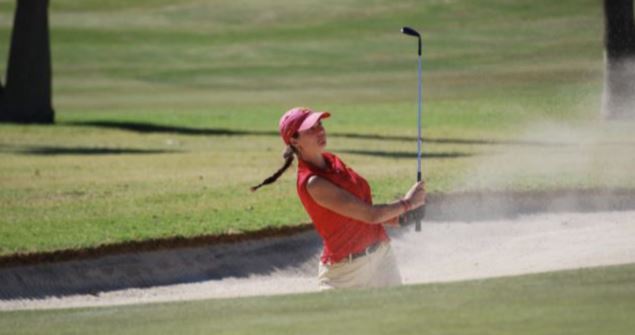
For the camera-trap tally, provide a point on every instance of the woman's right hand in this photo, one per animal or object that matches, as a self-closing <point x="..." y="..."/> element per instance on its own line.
<point x="416" y="196"/>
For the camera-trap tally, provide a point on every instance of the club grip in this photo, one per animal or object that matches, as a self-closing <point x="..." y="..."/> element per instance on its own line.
<point x="421" y="210"/>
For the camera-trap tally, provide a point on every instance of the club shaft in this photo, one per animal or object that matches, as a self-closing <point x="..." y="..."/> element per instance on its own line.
<point x="412" y="32"/>
<point x="419" y="139"/>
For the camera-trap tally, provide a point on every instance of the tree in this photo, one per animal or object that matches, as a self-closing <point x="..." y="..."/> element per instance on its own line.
<point x="618" y="100"/>
<point x="26" y="97"/>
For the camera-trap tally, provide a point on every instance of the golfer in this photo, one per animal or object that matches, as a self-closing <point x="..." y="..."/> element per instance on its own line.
<point x="357" y="250"/>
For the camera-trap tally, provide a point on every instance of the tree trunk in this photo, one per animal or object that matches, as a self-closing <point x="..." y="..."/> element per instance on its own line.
<point x="618" y="100"/>
<point x="27" y="95"/>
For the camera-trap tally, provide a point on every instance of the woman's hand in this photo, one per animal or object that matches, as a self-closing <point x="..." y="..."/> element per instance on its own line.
<point x="416" y="196"/>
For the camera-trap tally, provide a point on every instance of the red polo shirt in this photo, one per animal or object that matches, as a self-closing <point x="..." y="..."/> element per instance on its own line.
<point x="341" y="235"/>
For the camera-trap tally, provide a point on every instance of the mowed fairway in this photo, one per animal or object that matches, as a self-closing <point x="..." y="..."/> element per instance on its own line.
<point x="595" y="301"/>
<point x="167" y="113"/>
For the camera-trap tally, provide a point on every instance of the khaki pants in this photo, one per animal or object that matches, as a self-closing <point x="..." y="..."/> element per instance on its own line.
<point x="378" y="269"/>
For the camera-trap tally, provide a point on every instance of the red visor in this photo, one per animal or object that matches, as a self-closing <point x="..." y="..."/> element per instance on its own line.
<point x="298" y="119"/>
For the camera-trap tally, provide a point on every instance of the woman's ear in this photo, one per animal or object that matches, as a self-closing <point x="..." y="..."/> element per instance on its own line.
<point x="294" y="142"/>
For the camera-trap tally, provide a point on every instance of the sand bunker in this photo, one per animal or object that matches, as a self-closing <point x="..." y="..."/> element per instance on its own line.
<point x="442" y="251"/>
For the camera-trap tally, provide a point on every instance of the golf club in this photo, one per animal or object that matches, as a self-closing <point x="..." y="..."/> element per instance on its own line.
<point x="412" y="32"/>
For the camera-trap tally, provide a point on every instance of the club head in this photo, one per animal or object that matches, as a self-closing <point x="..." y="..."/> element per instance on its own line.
<point x="410" y="31"/>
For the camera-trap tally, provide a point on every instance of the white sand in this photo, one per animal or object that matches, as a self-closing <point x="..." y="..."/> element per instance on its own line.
<point x="440" y="252"/>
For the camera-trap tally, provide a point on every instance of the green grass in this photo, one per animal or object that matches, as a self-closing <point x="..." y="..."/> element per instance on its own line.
<point x="589" y="301"/>
<point x="493" y="70"/>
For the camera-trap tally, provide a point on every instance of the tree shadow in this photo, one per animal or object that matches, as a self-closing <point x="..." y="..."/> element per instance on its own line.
<point x="144" y="127"/>
<point x="406" y="154"/>
<point x="55" y="151"/>
<point x="448" y="140"/>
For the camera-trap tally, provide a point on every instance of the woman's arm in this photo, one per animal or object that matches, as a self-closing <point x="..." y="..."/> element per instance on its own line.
<point x="330" y="196"/>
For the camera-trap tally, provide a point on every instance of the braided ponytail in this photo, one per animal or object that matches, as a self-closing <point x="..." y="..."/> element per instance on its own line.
<point x="288" y="155"/>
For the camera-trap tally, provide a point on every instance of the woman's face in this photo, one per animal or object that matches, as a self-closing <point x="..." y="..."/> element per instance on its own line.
<point x="311" y="140"/>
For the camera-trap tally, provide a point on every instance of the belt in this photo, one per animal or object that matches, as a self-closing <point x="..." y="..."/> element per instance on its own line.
<point x="369" y="250"/>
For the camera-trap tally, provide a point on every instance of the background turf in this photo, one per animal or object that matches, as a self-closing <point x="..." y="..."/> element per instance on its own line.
<point x="167" y="111"/>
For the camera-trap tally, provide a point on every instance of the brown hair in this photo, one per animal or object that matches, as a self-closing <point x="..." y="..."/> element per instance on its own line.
<point x="288" y="155"/>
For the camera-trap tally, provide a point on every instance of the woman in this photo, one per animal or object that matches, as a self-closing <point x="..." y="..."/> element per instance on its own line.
<point x="357" y="250"/>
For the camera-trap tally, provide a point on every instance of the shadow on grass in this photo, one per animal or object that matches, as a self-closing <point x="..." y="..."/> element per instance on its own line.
<point x="143" y="127"/>
<point x="406" y="154"/>
<point x="53" y="151"/>
<point x="447" y="140"/>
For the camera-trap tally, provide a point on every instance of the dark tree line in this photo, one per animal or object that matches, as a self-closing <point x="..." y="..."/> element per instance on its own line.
<point x="26" y="97"/>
